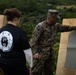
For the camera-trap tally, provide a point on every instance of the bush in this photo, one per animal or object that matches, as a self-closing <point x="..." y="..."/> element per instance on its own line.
<point x="28" y="28"/>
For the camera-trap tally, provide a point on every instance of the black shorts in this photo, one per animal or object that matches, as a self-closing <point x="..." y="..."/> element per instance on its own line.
<point x="14" y="70"/>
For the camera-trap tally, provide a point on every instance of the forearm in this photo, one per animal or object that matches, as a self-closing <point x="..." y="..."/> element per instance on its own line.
<point x="35" y="49"/>
<point x="65" y="28"/>
<point x="29" y="57"/>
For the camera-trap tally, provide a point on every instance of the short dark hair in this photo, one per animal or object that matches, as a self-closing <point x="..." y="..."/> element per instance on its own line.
<point x="12" y="13"/>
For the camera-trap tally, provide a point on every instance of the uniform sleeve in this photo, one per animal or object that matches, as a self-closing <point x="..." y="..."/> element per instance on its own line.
<point x="65" y="28"/>
<point x="24" y="41"/>
<point x="36" y="36"/>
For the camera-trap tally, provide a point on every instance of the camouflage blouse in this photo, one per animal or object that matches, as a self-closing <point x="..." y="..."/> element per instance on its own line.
<point x="44" y="36"/>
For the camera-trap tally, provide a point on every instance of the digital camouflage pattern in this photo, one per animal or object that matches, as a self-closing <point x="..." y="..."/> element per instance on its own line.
<point x="42" y="41"/>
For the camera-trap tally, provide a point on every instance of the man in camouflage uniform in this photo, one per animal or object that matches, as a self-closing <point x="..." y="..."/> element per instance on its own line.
<point x="42" y="43"/>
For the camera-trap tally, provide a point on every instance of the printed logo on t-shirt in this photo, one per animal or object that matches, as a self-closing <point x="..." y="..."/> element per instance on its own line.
<point x="6" y="41"/>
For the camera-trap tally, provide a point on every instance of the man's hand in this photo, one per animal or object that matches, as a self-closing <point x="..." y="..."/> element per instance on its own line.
<point x="36" y="56"/>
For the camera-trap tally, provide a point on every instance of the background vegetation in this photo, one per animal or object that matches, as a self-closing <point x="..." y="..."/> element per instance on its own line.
<point x="34" y="11"/>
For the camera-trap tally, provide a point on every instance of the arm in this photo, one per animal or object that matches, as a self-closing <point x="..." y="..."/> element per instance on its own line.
<point x="26" y="49"/>
<point x="65" y="28"/>
<point x="34" y="42"/>
<point x="29" y="58"/>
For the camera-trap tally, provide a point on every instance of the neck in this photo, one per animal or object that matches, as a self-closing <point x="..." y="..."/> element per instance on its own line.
<point x="49" y="22"/>
<point x="13" y="23"/>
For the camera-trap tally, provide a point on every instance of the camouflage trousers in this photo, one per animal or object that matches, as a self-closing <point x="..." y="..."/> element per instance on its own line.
<point x="43" y="67"/>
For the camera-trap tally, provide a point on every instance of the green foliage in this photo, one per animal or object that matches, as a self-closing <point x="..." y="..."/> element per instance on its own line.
<point x="28" y="28"/>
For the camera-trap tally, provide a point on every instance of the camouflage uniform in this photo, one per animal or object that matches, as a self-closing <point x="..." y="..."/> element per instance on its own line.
<point x="42" y="43"/>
